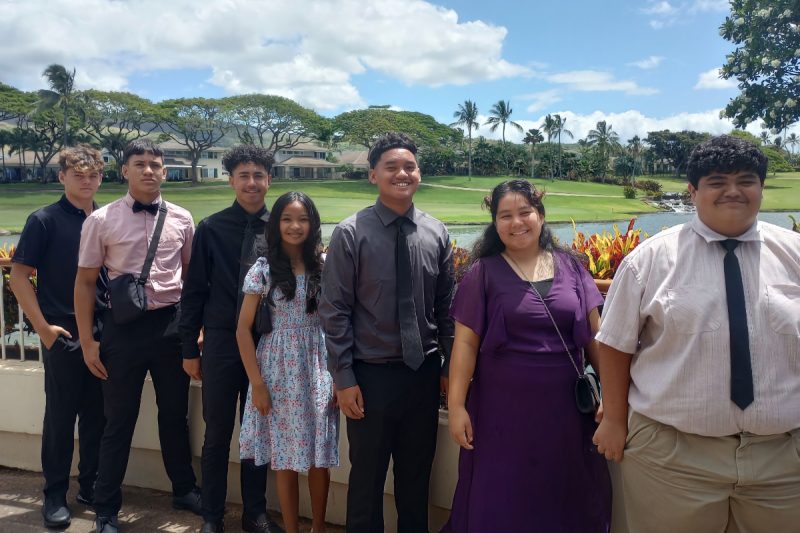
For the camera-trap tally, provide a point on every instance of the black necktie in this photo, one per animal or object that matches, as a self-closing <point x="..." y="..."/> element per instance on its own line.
<point x="246" y="260"/>
<point x="741" y="371"/>
<point x="407" y="312"/>
<point x="150" y="208"/>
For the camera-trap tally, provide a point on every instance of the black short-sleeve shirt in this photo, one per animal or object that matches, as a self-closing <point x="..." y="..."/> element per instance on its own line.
<point x="49" y="243"/>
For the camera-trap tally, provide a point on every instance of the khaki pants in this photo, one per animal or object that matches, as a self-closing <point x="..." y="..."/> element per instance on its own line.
<point x="675" y="482"/>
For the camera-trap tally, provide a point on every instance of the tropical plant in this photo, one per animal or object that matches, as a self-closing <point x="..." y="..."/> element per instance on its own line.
<point x="533" y="136"/>
<point x="549" y="129"/>
<point x="765" y="138"/>
<point x="792" y="141"/>
<point x="500" y="115"/>
<point x="467" y="115"/>
<point x="635" y="150"/>
<point x="606" y="141"/>
<point x="605" y="251"/>
<point x="559" y="128"/>
<point x="62" y="86"/>
<point x="795" y="224"/>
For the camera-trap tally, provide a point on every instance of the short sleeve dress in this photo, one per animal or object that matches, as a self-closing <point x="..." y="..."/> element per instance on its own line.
<point x="301" y="430"/>
<point x="533" y="467"/>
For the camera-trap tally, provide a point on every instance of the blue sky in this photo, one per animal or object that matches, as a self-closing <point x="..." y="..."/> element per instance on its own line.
<point x="640" y="65"/>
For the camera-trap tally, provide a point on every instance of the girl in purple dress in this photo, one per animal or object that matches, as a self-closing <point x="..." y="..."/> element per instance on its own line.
<point x="290" y="419"/>
<point x="527" y="462"/>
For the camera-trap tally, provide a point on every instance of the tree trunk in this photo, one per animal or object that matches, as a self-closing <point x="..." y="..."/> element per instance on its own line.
<point x="469" y="158"/>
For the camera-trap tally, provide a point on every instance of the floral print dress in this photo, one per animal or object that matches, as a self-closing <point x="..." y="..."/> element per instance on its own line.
<point x="301" y="429"/>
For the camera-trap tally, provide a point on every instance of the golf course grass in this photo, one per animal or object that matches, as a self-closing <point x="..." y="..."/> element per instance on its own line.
<point x="452" y="199"/>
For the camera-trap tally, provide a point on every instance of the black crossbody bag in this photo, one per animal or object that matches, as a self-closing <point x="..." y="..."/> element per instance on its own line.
<point x="263" y="319"/>
<point x="126" y="293"/>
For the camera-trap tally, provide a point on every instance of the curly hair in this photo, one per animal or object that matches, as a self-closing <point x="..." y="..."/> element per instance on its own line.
<point x="390" y="141"/>
<point x="247" y="153"/>
<point x="726" y="154"/>
<point x="81" y="157"/>
<point x="489" y="243"/>
<point x="280" y="267"/>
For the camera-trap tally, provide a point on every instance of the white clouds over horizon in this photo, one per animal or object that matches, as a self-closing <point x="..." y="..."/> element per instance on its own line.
<point x="596" y="80"/>
<point x="309" y="54"/>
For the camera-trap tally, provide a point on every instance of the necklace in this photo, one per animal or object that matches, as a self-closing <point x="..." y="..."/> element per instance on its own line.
<point x="542" y="269"/>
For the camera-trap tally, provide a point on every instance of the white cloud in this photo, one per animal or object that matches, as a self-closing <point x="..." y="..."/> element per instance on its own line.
<point x="659" y="8"/>
<point x="663" y="14"/>
<point x="710" y="79"/>
<point x="595" y="80"/>
<point x="629" y="123"/>
<point x="308" y="51"/>
<point x="710" y="5"/>
<point x="542" y="99"/>
<point x="647" y="63"/>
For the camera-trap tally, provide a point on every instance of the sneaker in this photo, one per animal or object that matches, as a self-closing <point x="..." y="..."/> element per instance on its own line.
<point x="191" y="501"/>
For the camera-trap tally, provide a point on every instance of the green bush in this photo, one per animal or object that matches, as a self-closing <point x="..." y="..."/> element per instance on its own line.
<point x="629" y="192"/>
<point x="652" y="187"/>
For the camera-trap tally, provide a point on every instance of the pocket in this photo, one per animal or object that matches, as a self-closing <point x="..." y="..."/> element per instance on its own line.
<point x="695" y="308"/>
<point x="648" y="438"/>
<point x="783" y="308"/>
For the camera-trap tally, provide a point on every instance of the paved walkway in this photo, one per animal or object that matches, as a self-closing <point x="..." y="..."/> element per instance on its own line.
<point x="439" y="186"/>
<point x="144" y="511"/>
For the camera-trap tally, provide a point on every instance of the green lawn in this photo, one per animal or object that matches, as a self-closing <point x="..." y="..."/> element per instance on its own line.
<point x="337" y="200"/>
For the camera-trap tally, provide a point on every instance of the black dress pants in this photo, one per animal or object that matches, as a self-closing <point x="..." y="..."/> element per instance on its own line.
<point x="149" y="344"/>
<point x="224" y="383"/>
<point x="401" y="418"/>
<point x="71" y="392"/>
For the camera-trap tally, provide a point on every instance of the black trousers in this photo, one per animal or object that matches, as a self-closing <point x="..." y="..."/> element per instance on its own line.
<point x="224" y="383"/>
<point x="401" y="408"/>
<point x="71" y="392"/>
<point x="129" y="352"/>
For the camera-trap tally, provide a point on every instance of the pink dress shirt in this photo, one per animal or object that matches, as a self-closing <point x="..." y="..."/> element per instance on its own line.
<point x="118" y="238"/>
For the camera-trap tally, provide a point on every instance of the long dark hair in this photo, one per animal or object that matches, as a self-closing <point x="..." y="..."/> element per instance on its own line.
<point x="489" y="243"/>
<point x="280" y="267"/>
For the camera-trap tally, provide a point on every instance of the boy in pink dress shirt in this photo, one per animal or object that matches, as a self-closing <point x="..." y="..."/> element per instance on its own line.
<point x="117" y="236"/>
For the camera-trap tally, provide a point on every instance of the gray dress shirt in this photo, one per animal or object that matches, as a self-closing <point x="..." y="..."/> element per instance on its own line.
<point x="358" y="307"/>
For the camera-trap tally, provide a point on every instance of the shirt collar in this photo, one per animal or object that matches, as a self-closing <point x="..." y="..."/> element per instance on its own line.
<point x="128" y="199"/>
<point x="753" y="233"/>
<point x="387" y="216"/>
<point x="262" y="213"/>
<point x="67" y="206"/>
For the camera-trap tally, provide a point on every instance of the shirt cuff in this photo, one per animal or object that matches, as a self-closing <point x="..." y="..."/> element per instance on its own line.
<point x="345" y="378"/>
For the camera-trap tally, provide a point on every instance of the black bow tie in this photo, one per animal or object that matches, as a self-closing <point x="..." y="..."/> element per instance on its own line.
<point x="150" y="208"/>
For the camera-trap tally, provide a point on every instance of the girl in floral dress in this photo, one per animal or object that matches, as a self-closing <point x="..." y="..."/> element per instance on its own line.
<point x="290" y="419"/>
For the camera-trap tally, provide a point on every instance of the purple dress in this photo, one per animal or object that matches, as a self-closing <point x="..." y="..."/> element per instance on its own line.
<point x="533" y="467"/>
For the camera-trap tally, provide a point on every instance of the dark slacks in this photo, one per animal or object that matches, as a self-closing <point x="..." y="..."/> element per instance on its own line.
<point x="224" y="383"/>
<point x="129" y="352"/>
<point x="401" y="408"/>
<point x="71" y="392"/>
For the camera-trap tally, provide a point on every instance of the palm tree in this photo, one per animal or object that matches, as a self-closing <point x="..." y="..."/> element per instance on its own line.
<point x="5" y="140"/>
<point x="605" y="141"/>
<point x="764" y="136"/>
<point x="635" y="149"/>
<point x="533" y="136"/>
<point x="559" y="128"/>
<point x="62" y="84"/>
<point x="500" y="114"/>
<point x="549" y="128"/>
<point x="792" y="141"/>
<point x="467" y="115"/>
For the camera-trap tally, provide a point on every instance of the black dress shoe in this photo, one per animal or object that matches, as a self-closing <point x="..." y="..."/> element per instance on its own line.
<point x="106" y="524"/>
<point x="56" y="513"/>
<point x="213" y="527"/>
<point x="85" y="498"/>
<point x="260" y="524"/>
<point x="191" y="501"/>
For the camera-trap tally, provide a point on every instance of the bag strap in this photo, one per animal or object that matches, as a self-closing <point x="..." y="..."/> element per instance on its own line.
<point x="151" y="250"/>
<point x="546" y="308"/>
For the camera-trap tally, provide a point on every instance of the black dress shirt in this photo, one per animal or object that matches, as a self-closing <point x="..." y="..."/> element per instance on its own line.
<point x="358" y="307"/>
<point x="49" y="243"/>
<point x="213" y="284"/>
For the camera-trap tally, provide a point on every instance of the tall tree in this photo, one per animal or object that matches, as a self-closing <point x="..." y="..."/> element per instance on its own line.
<point x="113" y="119"/>
<point x="500" y="115"/>
<point x="560" y="128"/>
<point x="549" y="129"/>
<point x="363" y="126"/>
<point x="635" y="150"/>
<point x="674" y="147"/>
<point x="195" y="123"/>
<point x="467" y="116"/>
<point x="606" y="142"/>
<point x="272" y="122"/>
<point x="792" y="142"/>
<point x="62" y="87"/>
<point x="765" y="139"/>
<point x="766" y="62"/>
<point x="533" y="136"/>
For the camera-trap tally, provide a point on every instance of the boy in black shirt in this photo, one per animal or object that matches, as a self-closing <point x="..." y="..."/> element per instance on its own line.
<point x="49" y="245"/>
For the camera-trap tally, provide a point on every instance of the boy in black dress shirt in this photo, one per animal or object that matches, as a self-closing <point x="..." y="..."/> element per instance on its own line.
<point x="49" y="244"/>
<point x="225" y="246"/>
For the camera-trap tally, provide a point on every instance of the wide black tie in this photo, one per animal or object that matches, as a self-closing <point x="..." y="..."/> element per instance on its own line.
<point x="246" y="260"/>
<point x="409" y="327"/>
<point x="150" y="208"/>
<point x="741" y="370"/>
